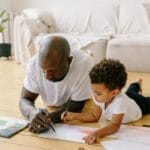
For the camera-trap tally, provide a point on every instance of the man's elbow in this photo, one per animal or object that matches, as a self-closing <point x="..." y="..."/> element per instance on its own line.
<point x="20" y="104"/>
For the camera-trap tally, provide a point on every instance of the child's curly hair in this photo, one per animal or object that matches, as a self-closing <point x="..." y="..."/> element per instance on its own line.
<point x="110" y="72"/>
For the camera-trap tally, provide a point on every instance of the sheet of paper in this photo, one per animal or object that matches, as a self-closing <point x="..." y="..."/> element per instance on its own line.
<point x="124" y="145"/>
<point x="68" y="132"/>
<point x="132" y="133"/>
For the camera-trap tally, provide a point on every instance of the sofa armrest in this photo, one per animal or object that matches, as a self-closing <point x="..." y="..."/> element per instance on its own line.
<point x="25" y="30"/>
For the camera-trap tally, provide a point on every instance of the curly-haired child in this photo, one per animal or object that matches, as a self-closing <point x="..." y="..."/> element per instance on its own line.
<point x="107" y="80"/>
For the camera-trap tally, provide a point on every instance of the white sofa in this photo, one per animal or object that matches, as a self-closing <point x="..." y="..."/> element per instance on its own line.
<point x="107" y="30"/>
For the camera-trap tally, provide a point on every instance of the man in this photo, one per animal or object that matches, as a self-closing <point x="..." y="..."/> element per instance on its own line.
<point x="60" y="78"/>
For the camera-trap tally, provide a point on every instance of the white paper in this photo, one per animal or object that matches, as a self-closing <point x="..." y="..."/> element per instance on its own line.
<point x="132" y="133"/>
<point x="68" y="132"/>
<point x="124" y="145"/>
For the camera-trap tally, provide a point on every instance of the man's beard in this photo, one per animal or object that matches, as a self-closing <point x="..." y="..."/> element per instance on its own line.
<point x="59" y="79"/>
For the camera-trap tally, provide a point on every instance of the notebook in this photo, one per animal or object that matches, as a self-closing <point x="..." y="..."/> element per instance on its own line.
<point x="10" y="126"/>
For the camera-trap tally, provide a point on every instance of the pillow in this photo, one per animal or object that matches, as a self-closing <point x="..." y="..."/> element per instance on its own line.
<point x="35" y="26"/>
<point x="42" y="15"/>
<point x="133" y="19"/>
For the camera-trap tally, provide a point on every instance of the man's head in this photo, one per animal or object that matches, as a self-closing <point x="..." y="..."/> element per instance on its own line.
<point x="108" y="77"/>
<point x="54" y="57"/>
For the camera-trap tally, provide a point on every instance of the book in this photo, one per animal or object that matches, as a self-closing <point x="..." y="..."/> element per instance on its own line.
<point x="10" y="126"/>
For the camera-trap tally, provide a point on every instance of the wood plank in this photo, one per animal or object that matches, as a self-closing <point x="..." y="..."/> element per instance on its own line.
<point x="12" y="146"/>
<point x="43" y="143"/>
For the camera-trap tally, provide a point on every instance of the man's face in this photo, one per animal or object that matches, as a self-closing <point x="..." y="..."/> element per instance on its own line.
<point x="53" y="69"/>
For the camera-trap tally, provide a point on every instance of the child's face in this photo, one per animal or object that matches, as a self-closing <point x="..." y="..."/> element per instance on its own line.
<point x="102" y="94"/>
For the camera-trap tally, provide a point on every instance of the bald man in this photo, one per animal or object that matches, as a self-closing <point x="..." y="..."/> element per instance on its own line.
<point x="60" y="77"/>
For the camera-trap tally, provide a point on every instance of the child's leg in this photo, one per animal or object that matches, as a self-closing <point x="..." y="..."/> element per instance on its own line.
<point x="143" y="102"/>
<point x="148" y="104"/>
<point x="134" y="92"/>
<point x="135" y="87"/>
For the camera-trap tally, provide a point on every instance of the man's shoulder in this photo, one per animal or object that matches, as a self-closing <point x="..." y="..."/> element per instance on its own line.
<point x="82" y="58"/>
<point x="34" y="61"/>
<point x="33" y="65"/>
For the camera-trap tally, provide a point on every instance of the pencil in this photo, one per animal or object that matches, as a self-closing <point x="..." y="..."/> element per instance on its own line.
<point x="51" y="126"/>
<point x="66" y="109"/>
<point x="146" y="125"/>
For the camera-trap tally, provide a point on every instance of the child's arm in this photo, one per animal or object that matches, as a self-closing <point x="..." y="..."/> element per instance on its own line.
<point x="112" y="127"/>
<point x="85" y="117"/>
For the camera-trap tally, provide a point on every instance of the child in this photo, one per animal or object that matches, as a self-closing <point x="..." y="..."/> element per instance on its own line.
<point x="107" y="80"/>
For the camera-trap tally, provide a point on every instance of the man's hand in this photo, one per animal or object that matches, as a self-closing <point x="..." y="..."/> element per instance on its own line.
<point x="39" y="121"/>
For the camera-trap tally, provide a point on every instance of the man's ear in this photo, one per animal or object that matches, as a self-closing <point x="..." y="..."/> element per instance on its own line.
<point x="70" y="59"/>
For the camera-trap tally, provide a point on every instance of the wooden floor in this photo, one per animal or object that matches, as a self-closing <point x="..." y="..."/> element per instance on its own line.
<point x="11" y="77"/>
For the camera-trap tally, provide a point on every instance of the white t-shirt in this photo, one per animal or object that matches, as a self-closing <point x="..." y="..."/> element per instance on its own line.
<point x="121" y="104"/>
<point x="76" y="84"/>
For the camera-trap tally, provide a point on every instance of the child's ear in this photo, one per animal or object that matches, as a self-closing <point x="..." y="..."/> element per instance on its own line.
<point x="115" y="92"/>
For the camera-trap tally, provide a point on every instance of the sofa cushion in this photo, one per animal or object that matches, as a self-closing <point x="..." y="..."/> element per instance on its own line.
<point x="97" y="49"/>
<point x="133" y="19"/>
<point x="132" y="51"/>
<point x="99" y="18"/>
<point x="93" y="44"/>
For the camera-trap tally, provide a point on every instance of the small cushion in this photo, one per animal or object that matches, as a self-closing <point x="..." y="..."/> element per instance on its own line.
<point x="42" y="15"/>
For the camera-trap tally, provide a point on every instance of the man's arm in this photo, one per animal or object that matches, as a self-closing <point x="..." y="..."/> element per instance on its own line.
<point x="39" y="120"/>
<point x="27" y="102"/>
<point x="74" y="106"/>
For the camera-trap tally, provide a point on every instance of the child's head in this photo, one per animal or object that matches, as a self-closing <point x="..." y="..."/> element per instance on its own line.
<point x="108" y="77"/>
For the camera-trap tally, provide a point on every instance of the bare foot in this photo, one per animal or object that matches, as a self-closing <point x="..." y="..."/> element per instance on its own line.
<point x="140" y="81"/>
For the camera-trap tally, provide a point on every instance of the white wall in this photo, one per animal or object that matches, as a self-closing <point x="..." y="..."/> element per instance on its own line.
<point x="44" y="4"/>
<point x="5" y="4"/>
<point x="18" y="5"/>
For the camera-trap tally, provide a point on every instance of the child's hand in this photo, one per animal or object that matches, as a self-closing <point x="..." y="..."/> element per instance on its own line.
<point x="67" y="116"/>
<point x="92" y="138"/>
